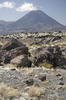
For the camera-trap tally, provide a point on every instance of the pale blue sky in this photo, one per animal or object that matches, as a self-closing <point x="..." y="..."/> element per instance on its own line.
<point x="11" y="10"/>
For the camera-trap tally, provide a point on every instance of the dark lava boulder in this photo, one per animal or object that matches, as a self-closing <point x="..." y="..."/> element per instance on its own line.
<point x="56" y="38"/>
<point x="29" y="82"/>
<point x="6" y="59"/>
<point x="51" y="54"/>
<point x="12" y="44"/>
<point x="25" y="62"/>
<point x="17" y="60"/>
<point x="42" y="77"/>
<point x="12" y="49"/>
<point x="38" y="56"/>
<point x="39" y="59"/>
<point x="2" y="53"/>
<point x="7" y="56"/>
<point x="21" y="61"/>
<point x="55" y="57"/>
<point x="18" y="51"/>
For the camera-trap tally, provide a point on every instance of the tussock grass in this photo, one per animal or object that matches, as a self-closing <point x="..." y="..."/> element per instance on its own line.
<point x="64" y="37"/>
<point x="6" y="91"/>
<point x="46" y="82"/>
<point x="46" y="65"/>
<point x="35" y="91"/>
<point x="9" y="66"/>
<point x="63" y="86"/>
<point x="1" y="43"/>
<point x="61" y="98"/>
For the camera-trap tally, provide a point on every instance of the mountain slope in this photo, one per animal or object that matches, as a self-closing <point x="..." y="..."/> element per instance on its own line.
<point x="4" y="26"/>
<point x="34" y="21"/>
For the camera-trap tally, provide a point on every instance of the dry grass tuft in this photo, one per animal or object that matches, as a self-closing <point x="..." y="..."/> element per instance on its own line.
<point x="35" y="91"/>
<point x="64" y="37"/>
<point x="61" y="98"/>
<point x="45" y="83"/>
<point x="63" y="86"/>
<point x="6" y="91"/>
<point x="46" y="65"/>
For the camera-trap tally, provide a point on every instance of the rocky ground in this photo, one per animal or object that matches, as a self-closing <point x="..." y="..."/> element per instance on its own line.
<point x="34" y="84"/>
<point x="33" y="66"/>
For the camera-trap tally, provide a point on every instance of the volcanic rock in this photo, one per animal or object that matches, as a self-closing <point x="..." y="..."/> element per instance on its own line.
<point x="42" y="77"/>
<point x="56" y="38"/>
<point x="29" y="82"/>
<point x="25" y="62"/>
<point x="12" y="44"/>
<point x="51" y="54"/>
<point x="17" y="60"/>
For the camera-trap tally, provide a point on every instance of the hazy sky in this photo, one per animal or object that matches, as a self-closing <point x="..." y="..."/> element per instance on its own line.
<point x="11" y="10"/>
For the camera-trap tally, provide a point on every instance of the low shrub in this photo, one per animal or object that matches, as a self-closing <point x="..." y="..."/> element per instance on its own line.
<point x="46" y="65"/>
<point x="7" y="92"/>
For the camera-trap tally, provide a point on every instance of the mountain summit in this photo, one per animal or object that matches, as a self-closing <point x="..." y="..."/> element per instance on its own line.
<point x="35" y="21"/>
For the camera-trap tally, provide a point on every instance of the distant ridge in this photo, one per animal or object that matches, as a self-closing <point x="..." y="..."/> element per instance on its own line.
<point x="34" y="21"/>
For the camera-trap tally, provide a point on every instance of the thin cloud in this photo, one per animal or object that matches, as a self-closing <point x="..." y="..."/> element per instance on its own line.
<point x="26" y="7"/>
<point x="7" y="4"/>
